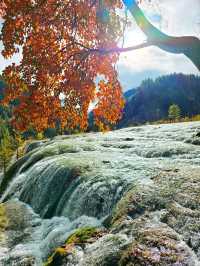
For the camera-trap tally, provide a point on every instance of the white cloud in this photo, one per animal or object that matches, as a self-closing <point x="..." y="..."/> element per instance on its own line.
<point x="177" y="18"/>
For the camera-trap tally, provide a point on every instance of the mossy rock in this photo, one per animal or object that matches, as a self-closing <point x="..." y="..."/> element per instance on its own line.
<point x="3" y="222"/>
<point x="165" y="189"/>
<point x="10" y="173"/>
<point x="141" y="199"/>
<point x="3" y="218"/>
<point x="171" y="201"/>
<point x="57" y="257"/>
<point x="81" y="237"/>
<point x="185" y="222"/>
<point x="155" y="247"/>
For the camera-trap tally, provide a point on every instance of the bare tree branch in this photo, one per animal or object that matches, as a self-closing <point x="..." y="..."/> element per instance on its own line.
<point x="115" y="49"/>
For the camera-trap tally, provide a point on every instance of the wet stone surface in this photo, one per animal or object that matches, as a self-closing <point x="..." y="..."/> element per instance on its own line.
<point x="139" y="186"/>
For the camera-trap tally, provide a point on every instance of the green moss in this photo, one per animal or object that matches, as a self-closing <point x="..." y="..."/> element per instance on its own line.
<point x="3" y="218"/>
<point x="11" y="172"/>
<point x="82" y="235"/>
<point x="3" y="221"/>
<point x="56" y="258"/>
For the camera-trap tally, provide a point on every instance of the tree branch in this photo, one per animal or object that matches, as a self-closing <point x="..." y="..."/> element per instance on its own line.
<point x="115" y="49"/>
<point x="121" y="50"/>
<point x="187" y="45"/>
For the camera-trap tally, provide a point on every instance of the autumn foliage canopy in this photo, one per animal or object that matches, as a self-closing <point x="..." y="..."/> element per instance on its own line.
<point x="60" y="42"/>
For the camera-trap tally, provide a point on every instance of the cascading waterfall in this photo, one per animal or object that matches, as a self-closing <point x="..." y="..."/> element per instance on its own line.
<point x="75" y="181"/>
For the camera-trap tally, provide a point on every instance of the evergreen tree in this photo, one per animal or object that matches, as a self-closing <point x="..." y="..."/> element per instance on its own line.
<point x="17" y="141"/>
<point x="6" y="150"/>
<point x="174" y="112"/>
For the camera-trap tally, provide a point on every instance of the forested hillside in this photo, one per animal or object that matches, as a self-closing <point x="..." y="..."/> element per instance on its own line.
<point x="152" y="99"/>
<point x="4" y="112"/>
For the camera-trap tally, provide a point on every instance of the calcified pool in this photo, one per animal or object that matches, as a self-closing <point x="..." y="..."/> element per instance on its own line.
<point x="84" y="180"/>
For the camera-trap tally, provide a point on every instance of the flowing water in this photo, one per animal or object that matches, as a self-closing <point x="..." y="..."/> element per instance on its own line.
<point x="75" y="181"/>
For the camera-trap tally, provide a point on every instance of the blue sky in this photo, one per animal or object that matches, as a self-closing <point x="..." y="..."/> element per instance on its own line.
<point x="178" y="18"/>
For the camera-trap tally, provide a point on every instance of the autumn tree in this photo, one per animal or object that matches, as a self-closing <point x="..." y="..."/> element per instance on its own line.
<point x="59" y="41"/>
<point x="67" y="46"/>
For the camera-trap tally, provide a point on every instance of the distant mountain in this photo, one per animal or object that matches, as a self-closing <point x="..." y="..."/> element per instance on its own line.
<point x="129" y="94"/>
<point x="151" y="100"/>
